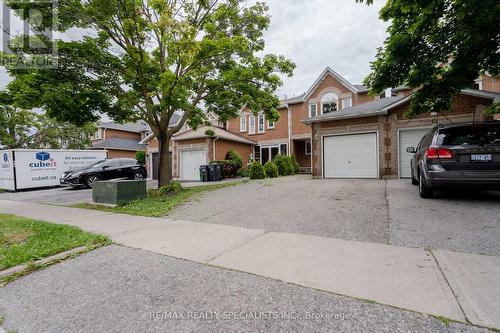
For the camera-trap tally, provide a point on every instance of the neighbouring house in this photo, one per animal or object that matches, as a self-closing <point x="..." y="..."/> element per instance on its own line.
<point x="370" y="140"/>
<point x="289" y="134"/>
<point x="120" y="140"/>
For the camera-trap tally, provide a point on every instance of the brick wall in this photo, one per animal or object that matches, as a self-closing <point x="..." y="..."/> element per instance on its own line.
<point x="491" y="83"/>
<point x="111" y="133"/>
<point x="194" y="144"/>
<point x="464" y="109"/>
<point x="113" y="153"/>
<point x="222" y="147"/>
<point x="280" y="127"/>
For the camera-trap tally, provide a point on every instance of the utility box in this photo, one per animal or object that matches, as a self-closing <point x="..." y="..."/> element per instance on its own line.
<point x="118" y="192"/>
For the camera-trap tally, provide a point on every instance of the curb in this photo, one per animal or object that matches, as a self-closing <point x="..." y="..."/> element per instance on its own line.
<point x="22" y="267"/>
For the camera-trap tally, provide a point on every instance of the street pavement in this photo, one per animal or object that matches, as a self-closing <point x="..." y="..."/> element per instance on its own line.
<point x="120" y="289"/>
<point x="408" y="278"/>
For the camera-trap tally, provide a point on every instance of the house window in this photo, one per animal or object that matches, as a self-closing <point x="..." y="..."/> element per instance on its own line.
<point x="97" y="134"/>
<point x="308" y="147"/>
<point x="256" y="153"/>
<point x="312" y="110"/>
<point x="283" y="149"/>
<point x="243" y="123"/>
<point x="251" y="124"/>
<point x="261" y="123"/>
<point x="270" y="124"/>
<point x="329" y="102"/>
<point x="346" y="102"/>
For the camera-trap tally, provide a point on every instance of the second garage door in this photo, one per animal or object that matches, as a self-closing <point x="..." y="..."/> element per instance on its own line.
<point x="408" y="138"/>
<point x="190" y="163"/>
<point x="350" y="156"/>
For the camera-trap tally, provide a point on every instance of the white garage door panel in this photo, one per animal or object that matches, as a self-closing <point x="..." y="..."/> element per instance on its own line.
<point x="408" y="138"/>
<point x="190" y="164"/>
<point x="351" y="156"/>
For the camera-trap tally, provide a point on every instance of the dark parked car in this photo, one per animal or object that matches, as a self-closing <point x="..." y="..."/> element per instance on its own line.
<point x="459" y="155"/>
<point x="104" y="170"/>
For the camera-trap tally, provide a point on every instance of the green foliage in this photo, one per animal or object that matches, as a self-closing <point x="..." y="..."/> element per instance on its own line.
<point x="23" y="240"/>
<point x="28" y="129"/>
<point x="149" y="60"/>
<point x="256" y="171"/>
<point x="156" y="205"/>
<point x="243" y="172"/>
<point x="172" y="188"/>
<point x="210" y="133"/>
<point x="284" y="164"/>
<point x="295" y="164"/>
<point x="439" y="47"/>
<point x="271" y="169"/>
<point x="141" y="157"/>
<point x="233" y="156"/>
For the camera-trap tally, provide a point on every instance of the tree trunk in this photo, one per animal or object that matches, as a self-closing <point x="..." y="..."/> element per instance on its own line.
<point x="165" y="168"/>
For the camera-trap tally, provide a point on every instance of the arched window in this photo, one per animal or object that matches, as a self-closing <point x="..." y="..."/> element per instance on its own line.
<point x="329" y="102"/>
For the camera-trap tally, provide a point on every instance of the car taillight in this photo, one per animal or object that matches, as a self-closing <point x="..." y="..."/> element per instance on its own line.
<point x="441" y="153"/>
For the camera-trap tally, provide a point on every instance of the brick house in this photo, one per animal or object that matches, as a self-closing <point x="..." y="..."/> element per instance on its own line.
<point x="370" y="140"/>
<point x="290" y="135"/>
<point x="120" y="140"/>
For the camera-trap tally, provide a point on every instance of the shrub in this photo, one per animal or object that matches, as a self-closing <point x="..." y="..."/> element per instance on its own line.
<point x="256" y="171"/>
<point x="243" y="172"/>
<point x="271" y="169"/>
<point x="284" y="164"/>
<point x="171" y="188"/>
<point x="140" y="156"/>
<point x="233" y="156"/>
<point x="295" y="164"/>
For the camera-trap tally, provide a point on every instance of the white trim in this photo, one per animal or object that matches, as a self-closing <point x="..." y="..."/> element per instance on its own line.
<point x="183" y="149"/>
<point x="335" y="75"/>
<point x="343" y="104"/>
<point x="309" y="109"/>
<point x="251" y="123"/>
<point x="243" y="123"/>
<point x="399" y="142"/>
<point x="310" y="147"/>
<point x="349" y="133"/>
<point x="321" y="100"/>
<point x="259" y="117"/>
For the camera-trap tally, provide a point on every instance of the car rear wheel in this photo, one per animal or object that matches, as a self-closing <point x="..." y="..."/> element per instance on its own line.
<point x="90" y="180"/>
<point x="139" y="175"/>
<point x="424" y="190"/>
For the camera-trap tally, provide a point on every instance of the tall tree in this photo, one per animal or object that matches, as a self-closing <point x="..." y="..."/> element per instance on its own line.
<point x="438" y="46"/>
<point x="152" y="58"/>
<point x="29" y="129"/>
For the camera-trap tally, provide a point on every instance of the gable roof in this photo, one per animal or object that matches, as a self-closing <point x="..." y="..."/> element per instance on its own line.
<point x="173" y="121"/>
<point x="137" y="127"/>
<point x="383" y="105"/>
<point x="355" y="88"/>
<point x="221" y="133"/>
<point x="119" y="144"/>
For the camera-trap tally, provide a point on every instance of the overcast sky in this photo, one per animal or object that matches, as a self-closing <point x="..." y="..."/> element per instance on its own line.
<point x="341" y="34"/>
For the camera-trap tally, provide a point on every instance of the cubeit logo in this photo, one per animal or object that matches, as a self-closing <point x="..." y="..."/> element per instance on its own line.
<point x="44" y="161"/>
<point x="5" y="157"/>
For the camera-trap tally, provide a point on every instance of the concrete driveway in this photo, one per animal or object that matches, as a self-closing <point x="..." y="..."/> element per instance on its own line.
<point x="381" y="211"/>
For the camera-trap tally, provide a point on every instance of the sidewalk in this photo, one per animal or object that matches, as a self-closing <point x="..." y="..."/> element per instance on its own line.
<point x="459" y="286"/>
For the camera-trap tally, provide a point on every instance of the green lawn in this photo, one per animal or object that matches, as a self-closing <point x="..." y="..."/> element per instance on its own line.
<point x="156" y="205"/>
<point x="24" y="240"/>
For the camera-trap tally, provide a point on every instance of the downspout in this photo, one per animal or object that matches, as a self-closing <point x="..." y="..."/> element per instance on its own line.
<point x="289" y="130"/>
<point x="213" y="150"/>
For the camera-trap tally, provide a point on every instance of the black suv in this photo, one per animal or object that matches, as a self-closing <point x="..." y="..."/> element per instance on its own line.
<point x="459" y="155"/>
<point x="104" y="170"/>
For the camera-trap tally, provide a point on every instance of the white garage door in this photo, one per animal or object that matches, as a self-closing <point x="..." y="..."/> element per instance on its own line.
<point x="350" y="156"/>
<point x="408" y="138"/>
<point x="190" y="163"/>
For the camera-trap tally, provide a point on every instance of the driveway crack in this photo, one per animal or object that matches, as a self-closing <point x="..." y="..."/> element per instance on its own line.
<point x="388" y="214"/>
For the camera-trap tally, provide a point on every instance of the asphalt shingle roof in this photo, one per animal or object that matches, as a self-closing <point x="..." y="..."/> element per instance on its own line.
<point x="120" y="144"/>
<point x="139" y="126"/>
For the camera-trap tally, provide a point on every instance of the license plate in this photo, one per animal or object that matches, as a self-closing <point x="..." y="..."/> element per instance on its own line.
<point x="481" y="157"/>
